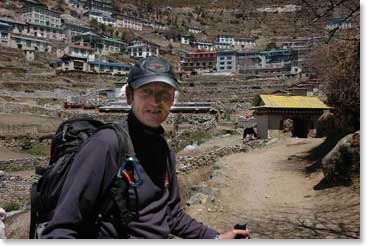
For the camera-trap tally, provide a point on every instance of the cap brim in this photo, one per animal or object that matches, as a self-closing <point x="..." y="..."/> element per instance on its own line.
<point x="155" y="78"/>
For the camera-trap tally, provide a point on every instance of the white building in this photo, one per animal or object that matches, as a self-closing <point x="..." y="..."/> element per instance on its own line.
<point x="80" y="51"/>
<point x="142" y="50"/>
<point x="203" y="45"/>
<point x="24" y="42"/>
<point x="238" y="42"/>
<point x="130" y="23"/>
<point x="103" y="19"/>
<point x="41" y="16"/>
<point x="339" y="22"/>
<point x="4" y="33"/>
<point x="195" y="30"/>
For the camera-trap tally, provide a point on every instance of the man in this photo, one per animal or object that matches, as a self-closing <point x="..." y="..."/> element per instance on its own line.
<point x="150" y="92"/>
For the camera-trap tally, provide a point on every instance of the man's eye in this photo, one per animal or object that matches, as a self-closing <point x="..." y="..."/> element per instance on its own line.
<point x="165" y="96"/>
<point x="147" y="92"/>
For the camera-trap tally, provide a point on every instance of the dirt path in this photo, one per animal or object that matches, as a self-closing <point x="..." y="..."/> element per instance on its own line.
<point x="269" y="189"/>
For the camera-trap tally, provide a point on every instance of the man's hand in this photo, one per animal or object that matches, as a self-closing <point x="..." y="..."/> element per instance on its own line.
<point x="232" y="234"/>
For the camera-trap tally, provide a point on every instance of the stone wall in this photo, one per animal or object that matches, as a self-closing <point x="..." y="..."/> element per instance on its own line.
<point x="187" y="164"/>
<point x="22" y="164"/>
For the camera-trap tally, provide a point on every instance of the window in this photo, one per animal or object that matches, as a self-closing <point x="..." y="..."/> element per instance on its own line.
<point x="221" y="58"/>
<point x="229" y="67"/>
<point x="221" y="68"/>
<point x="229" y="57"/>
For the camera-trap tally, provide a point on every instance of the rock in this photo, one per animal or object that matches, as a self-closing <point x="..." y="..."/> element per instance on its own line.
<point x="341" y="163"/>
<point x="197" y="198"/>
<point x="191" y="147"/>
<point x="2" y="173"/>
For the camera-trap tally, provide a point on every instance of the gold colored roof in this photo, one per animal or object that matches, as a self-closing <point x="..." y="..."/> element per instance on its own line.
<point x="302" y="102"/>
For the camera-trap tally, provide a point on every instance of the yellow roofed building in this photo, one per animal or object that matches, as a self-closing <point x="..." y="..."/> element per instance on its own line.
<point x="271" y="111"/>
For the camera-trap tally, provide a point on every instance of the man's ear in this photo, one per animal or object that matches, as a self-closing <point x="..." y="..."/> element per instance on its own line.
<point x="129" y="95"/>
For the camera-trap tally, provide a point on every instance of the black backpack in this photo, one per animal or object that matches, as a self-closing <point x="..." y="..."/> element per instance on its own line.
<point x="68" y="140"/>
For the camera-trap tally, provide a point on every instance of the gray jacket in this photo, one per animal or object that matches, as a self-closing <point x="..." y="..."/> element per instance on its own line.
<point x="93" y="170"/>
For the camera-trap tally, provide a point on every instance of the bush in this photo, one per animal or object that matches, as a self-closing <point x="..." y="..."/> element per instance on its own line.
<point x="38" y="149"/>
<point x="11" y="206"/>
<point x="338" y="67"/>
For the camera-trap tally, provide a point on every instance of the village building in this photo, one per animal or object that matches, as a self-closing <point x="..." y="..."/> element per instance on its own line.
<point x="158" y="25"/>
<point x="80" y="51"/>
<point x="112" y="68"/>
<point x="272" y="111"/>
<point x="185" y="39"/>
<point x="53" y="33"/>
<point x="310" y="87"/>
<point x="199" y="61"/>
<point x="103" y="7"/>
<point x="72" y="63"/>
<point x="41" y="16"/>
<point x="129" y="22"/>
<point x="103" y="19"/>
<point x="42" y="22"/>
<point x="222" y="45"/>
<point x="227" y="40"/>
<point x="244" y="43"/>
<point x="154" y="24"/>
<point x="248" y="60"/>
<point x="71" y="30"/>
<point x="226" y="61"/>
<point x="5" y="29"/>
<point x="203" y="45"/>
<point x="25" y="42"/>
<point x="195" y="30"/>
<point x="341" y="22"/>
<point x="142" y="49"/>
<point x="103" y="45"/>
<point x="274" y="63"/>
<point x="15" y="26"/>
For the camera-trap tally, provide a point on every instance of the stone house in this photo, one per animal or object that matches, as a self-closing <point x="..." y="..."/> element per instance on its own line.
<point x="271" y="111"/>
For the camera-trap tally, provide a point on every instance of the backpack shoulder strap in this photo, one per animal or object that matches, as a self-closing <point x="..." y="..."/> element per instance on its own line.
<point x="122" y="130"/>
<point x="117" y="196"/>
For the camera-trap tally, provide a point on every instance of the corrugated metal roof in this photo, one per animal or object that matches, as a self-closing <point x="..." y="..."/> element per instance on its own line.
<point x="303" y="102"/>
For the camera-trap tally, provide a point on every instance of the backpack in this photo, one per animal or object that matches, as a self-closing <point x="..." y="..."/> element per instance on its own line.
<point x="67" y="141"/>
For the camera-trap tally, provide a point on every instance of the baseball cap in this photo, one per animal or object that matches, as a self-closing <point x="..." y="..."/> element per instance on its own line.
<point x="152" y="69"/>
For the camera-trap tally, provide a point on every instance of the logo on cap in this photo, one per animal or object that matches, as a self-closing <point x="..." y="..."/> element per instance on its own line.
<point x="157" y="67"/>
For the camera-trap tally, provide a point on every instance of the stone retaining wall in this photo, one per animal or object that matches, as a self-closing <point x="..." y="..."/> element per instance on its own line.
<point x="22" y="164"/>
<point x="187" y="164"/>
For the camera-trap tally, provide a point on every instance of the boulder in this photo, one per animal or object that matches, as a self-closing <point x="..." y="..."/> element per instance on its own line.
<point x="197" y="198"/>
<point x="342" y="162"/>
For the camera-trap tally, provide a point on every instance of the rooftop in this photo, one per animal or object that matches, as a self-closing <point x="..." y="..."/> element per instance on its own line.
<point x="112" y="64"/>
<point x="299" y="102"/>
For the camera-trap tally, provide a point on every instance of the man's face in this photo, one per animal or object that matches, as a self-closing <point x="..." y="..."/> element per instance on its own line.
<point x="152" y="102"/>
